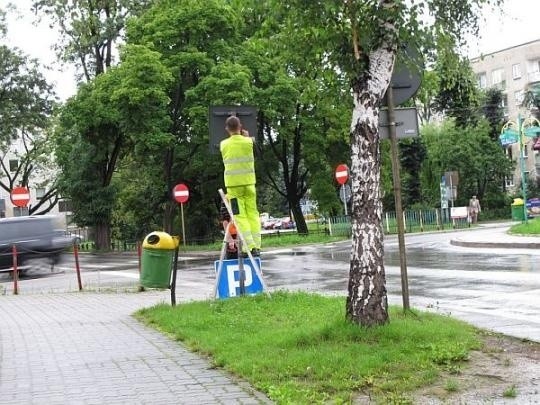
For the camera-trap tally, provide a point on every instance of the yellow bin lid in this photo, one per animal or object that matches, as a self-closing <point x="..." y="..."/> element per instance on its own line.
<point x="517" y="201"/>
<point x="160" y="240"/>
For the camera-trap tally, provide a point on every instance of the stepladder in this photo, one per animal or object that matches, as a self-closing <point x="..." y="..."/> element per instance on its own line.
<point x="239" y="275"/>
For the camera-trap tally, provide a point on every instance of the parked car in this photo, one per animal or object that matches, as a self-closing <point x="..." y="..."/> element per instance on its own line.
<point x="35" y="237"/>
<point x="269" y="223"/>
<point x="284" y="223"/>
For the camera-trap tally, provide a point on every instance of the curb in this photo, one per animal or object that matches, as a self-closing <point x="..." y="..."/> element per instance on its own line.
<point x="507" y="245"/>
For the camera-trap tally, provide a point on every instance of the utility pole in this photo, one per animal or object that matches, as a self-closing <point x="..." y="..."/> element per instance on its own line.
<point x="397" y="197"/>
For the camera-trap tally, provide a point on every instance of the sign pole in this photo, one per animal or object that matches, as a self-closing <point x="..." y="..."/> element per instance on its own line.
<point x="342" y="175"/>
<point x="522" y="168"/>
<point x="175" y="270"/>
<point x="397" y="197"/>
<point x="344" y="198"/>
<point x="183" y="229"/>
<point x="181" y="196"/>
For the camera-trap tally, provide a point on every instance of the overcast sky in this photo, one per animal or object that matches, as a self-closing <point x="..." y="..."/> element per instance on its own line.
<point x="515" y="24"/>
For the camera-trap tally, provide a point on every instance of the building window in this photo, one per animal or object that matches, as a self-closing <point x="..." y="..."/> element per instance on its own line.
<point x="13" y="165"/>
<point x="482" y="80"/>
<point x="509" y="154"/>
<point x="40" y="193"/>
<point x="518" y="97"/>
<point x="533" y="66"/>
<point x="504" y="103"/>
<point x="497" y="78"/>
<point x="20" y="211"/>
<point x="516" y="71"/>
<point x="509" y="182"/>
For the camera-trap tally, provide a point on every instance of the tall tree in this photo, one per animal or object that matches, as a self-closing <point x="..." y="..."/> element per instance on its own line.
<point x="458" y="94"/>
<point x="481" y="163"/>
<point x="362" y="38"/>
<point x="119" y="112"/>
<point x="89" y="33"/>
<point x="26" y="105"/>
<point x="493" y="111"/>
<point x="301" y="115"/>
<point x="192" y="37"/>
<point x="426" y="95"/>
<point x="89" y="30"/>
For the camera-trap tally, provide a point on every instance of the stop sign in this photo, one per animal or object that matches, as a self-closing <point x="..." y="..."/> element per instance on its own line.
<point x="181" y="193"/>
<point x="342" y="174"/>
<point x="20" y="196"/>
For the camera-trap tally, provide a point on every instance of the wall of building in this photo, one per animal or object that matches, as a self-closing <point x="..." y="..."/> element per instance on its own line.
<point x="39" y="177"/>
<point x="513" y="70"/>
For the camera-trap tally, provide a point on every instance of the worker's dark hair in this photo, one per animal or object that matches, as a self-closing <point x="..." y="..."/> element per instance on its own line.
<point x="233" y="124"/>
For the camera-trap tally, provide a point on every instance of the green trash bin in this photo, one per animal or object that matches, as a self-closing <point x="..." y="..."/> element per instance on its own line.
<point x="518" y="213"/>
<point x="157" y="260"/>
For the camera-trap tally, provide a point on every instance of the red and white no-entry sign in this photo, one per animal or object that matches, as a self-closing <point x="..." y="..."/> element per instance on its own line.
<point x="181" y="193"/>
<point x="20" y="196"/>
<point x="342" y="174"/>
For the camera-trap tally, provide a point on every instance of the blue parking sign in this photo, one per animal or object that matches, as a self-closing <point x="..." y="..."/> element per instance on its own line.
<point x="229" y="281"/>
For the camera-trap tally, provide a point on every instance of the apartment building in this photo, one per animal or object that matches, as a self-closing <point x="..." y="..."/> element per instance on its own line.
<point x="514" y="70"/>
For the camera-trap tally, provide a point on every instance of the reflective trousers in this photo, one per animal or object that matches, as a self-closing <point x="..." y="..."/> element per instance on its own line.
<point x="247" y="220"/>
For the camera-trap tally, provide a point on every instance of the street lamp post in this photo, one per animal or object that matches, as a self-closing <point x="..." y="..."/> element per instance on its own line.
<point x="519" y="131"/>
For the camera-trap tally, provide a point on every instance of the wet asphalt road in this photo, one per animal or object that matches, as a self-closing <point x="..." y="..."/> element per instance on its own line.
<point x="494" y="288"/>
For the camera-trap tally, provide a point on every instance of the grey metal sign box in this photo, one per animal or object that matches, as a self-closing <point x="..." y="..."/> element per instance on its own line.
<point x="217" y="117"/>
<point x="406" y="123"/>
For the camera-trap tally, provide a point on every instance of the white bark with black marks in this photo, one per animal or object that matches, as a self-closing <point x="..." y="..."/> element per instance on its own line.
<point x="367" y="302"/>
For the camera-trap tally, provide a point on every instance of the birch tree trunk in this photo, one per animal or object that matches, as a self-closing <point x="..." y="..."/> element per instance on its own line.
<point x="367" y="302"/>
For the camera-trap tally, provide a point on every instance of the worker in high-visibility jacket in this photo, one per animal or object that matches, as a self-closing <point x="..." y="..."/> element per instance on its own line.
<point x="239" y="176"/>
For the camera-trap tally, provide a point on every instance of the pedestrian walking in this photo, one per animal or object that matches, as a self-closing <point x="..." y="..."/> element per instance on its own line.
<point x="474" y="209"/>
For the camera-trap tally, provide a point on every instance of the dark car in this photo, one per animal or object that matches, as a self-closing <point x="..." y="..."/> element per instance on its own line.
<point x="35" y="237"/>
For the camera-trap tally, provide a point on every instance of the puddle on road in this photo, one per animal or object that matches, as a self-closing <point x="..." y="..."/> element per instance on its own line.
<point x="437" y="259"/>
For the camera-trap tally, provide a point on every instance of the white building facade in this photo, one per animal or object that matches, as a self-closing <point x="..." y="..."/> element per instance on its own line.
<point x="41" y="177"/>
<point x="514" y="70"/>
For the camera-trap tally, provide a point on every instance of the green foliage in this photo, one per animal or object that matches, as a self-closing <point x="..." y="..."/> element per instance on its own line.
<point x="119" y="111"/>
<point x="458" y="94"/>
<point x="510" y="392"/>
<point x="89" y="30"/>
<point x="451" y="385"/>
<point x="493" y="111"/>
<point x="26" y="107"/>
<point x="412" y="155"/>
<point x="480" y="162"/>
<point x="26" y="99"/>
<point x="532" y="227"/>
<point x="328" y="359"/>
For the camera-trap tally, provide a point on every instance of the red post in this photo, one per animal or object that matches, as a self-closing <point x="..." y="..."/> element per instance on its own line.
<point x="15" y="272"/>
<point x="77" y="267"/>
<point x="139" y="252"/>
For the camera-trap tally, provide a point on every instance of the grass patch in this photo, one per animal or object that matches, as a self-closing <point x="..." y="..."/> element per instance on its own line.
<point x="510" y="392"/>
<point x="298" y="348"/>
<point x="532" y="227"/>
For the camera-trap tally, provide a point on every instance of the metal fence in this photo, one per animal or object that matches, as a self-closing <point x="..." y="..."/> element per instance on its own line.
<point x="414" y="221"/>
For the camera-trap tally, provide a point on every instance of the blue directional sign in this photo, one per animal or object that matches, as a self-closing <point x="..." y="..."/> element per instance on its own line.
<point x="229" y="281"/>
<point x="532" y="132"/>
<point x="508" y="137"/>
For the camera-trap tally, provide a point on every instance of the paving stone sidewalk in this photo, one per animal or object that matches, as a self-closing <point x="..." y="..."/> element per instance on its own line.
<point x="85" y="348"/>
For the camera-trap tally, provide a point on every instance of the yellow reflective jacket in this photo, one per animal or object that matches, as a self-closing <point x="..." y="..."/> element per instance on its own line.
<point x="237" y="153"/>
